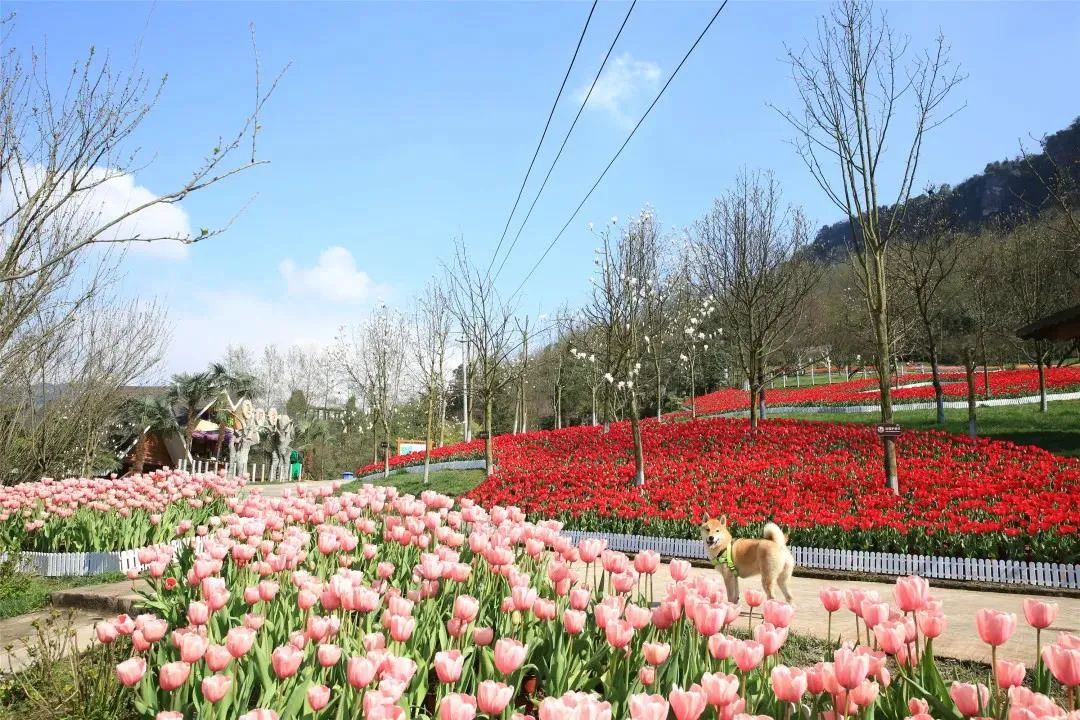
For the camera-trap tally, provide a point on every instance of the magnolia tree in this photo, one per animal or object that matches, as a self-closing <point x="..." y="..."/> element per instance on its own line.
<point x="618" y="309"/>
<point x="697" y="332"/>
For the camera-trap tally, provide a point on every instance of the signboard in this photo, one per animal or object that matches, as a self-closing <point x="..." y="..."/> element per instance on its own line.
<point x="889" y="430"/>
<point x="404" y="447"/>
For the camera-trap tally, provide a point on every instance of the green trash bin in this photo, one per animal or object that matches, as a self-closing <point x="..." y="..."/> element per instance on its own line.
<point x="294" y="465"/>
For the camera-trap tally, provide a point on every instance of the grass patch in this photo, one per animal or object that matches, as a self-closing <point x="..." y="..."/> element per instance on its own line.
<point x="25" y="592"/>
<point x="447" y="482"/>
<point x="1057" y="430"/>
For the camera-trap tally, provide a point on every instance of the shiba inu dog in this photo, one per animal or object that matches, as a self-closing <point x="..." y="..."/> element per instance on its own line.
<point x="768" y="557"/>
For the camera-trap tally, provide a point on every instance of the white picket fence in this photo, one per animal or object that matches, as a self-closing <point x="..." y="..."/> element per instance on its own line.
<point x="255" y="472"/>
<point x="78" y="564"/>
<point x="1009" y="572"/>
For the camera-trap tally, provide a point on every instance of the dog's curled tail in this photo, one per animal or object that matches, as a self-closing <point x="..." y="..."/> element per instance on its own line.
<point x="773" y="532"/>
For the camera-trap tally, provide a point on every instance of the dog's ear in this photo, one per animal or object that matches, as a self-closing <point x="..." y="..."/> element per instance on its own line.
<point x="723" y="520"/>
<point x="707" y="517"/>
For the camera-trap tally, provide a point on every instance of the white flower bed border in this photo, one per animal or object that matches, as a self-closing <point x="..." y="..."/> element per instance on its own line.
<point x="1004" y="572"/>
<point x="415" y="469"/>
<point x="930" y="405"/>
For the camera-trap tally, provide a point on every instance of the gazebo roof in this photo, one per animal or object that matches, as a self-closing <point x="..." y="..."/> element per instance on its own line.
<point x="1063" y="325"/>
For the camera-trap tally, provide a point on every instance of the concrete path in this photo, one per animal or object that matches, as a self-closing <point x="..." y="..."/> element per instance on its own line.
<point x="19" y="634"/>
<point x="960" y="640"/>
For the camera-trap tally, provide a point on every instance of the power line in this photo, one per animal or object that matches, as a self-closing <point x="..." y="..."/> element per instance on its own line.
<point x="621" y="148"/>
<point x="565" y="139"/>
<point x="543" y="135"/>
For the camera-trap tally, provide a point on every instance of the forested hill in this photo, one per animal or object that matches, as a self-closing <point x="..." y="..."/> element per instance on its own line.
<point x="1007" y="188"/>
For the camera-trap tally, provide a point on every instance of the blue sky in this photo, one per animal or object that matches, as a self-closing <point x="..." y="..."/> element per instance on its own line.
<point x="400" y="126"/>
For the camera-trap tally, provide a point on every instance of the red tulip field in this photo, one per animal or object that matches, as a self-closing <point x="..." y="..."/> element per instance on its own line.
<point x="909" y="388"/>
<point x="823" y="482"/>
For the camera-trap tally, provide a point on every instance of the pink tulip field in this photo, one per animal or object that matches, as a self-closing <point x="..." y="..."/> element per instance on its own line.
<point x="386" y="606"/>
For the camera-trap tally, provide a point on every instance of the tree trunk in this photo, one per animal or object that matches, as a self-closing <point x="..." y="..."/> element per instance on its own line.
<point x="639" y="450"/>
<point x="891" y="480"/>
<point x="594" y="405"/>
<point x="386" y="450"/>
<point x="220" y="439"/>
<point x="430" y="432"/>
<point x="969" y="371"/>
<point x="1041" y="362"/>
<point x="659" y="390"/>
<point x="939" y="393"/>
<point x="693" y="392"/>
<point x="139" y="457"/>
<point x="753" y="384"/>
<point x="489" y="449"/>
<point x="761" y="392"/>
<point x="374" y="444"/>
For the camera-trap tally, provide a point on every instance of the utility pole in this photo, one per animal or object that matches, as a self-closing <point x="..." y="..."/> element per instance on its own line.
<point x="465" y="390"/>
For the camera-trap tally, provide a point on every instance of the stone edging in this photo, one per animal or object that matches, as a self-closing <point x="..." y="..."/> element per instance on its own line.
<point x="414" y="469"/>
<point x="854" y="409"/>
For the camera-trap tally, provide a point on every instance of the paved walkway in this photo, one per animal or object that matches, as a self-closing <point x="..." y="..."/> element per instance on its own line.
<point x="960" y="640"/>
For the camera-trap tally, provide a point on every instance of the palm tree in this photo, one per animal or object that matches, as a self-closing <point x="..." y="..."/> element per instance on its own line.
<point x="192" y="392"/>
<point x="240" y="385"/>
<point x="149" y="415"/>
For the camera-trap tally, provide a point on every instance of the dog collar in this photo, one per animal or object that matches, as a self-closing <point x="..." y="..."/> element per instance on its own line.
<point x="726" y="558"/>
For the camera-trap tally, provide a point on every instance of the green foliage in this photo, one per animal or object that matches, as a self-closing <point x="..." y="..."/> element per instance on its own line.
<point x="1057" y="430"/>
<point x="447" y="482"/>
<point x="63" y="684"/>
<point x="21" y="593"/>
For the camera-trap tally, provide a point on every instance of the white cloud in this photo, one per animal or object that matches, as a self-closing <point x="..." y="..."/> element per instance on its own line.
<point x="209" y="321"/>
<point x="116" y="194"/>
<point x="624" y="84"/>
<point x="334" y="277"/>
<point x="317" y="302"/>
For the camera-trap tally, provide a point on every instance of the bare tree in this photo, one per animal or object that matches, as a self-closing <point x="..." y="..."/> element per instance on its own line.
<point x="58" y="407"/>
<point x="1033" y="269"/>
<point x="372" y="356"/>
<point x="486" y="321"/>
<point x="272" y="376"/>
<point x="432" y="333"/>
<point x="926" y="258"/>
<point x="752" y="265"/>
<point x="852" y="86"/>
<point x="58" y="148"/>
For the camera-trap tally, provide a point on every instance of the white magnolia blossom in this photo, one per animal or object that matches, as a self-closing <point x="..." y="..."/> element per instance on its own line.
<point x="684" y="358"/>
<point x="701" y="336"/>
<point x="629" y="384"/>
<point x="614" y="220"/>
<point x="590" y="226"/>
<point x="609" y="378"/>
<point x="621" y="384"/>
<point x="706" y="346"/>
<point x="592" y="358"/>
